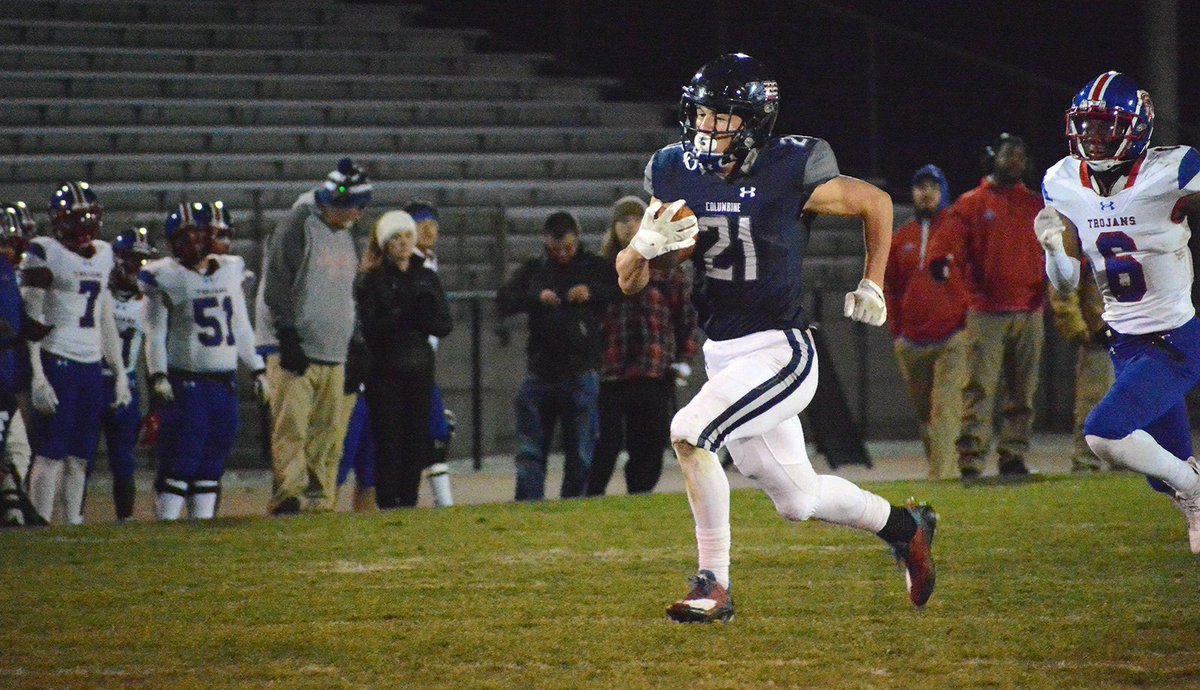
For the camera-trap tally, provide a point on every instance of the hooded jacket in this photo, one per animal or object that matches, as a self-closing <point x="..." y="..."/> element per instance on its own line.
<point x="926" y="303"/>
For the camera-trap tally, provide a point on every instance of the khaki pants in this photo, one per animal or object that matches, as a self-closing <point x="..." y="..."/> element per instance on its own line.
<point x="1093" y="378"/>
<point x="935" y="375"/>
<point x="309" y="417"/>
<point x="1007" y="346"/>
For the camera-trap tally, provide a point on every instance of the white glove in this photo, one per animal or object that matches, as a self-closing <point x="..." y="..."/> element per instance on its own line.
<point x="262" y="390"/>
<point x="162" y="390"/>
<point x="683" y="371"/>
<point x="122" y="396"/>
<point x="866" y="304"/>
<point x="44" y="399"/>
<point x="1049" y="228"/>
<point x="661" y="235"/>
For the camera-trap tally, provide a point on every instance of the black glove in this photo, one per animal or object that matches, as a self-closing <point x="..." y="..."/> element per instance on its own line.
<point x="291" y="355"/>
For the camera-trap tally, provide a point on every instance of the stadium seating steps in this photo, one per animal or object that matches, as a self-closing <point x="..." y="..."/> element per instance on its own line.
<point x="253" y="102"/>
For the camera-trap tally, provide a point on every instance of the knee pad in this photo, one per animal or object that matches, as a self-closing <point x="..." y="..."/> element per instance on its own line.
<point x="797" y="506"/>
<point x="687" y="425"/>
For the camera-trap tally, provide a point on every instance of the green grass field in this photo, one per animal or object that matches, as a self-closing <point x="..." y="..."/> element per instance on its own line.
<point x="1060" y="583"/>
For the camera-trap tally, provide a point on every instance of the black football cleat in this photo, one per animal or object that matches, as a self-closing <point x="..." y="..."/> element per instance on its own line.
<point x="708" y="602"/>
<point x="916" y="555"/>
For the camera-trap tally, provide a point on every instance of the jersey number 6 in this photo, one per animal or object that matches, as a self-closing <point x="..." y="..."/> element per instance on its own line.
<point x="724" y="260"/>
<point x="1126" y="279"/>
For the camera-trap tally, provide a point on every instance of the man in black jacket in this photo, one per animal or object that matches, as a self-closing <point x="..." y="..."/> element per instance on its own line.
<point x="564" y="292"/>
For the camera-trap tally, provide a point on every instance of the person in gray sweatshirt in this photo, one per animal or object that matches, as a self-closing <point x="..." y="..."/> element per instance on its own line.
<point x="308" y="276"/>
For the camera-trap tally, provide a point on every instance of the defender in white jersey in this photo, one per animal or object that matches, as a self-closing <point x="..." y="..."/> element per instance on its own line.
<point x="1126" y="207"/>
<point x="65" y="289"/>
<point x="198" y="328"/>
<point x="132" y="250"/>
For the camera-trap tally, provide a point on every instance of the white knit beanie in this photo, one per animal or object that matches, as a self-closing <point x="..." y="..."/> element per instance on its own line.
<point x="391" y="224"/>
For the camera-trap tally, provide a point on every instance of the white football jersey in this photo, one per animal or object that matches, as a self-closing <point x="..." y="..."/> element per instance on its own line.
<point x="197" y="322"/>
<point x="1139" y="256"/>
<point x="130" y="315"/>
<point x="72" y="305"/>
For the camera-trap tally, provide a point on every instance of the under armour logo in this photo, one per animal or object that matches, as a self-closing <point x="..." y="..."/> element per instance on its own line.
<point x="747" y="192"/>
<point x="1108" y="205"/>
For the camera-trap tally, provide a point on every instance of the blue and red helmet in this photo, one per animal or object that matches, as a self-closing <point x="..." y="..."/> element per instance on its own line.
<point x="1110" y="121"/>
<point x="75" y="214"/>
<point x="189" y="229"/>
<point x="134" y="242"/>
<point x="23" y="229"/>
<point x="132" y="249"/>
<point x="732" y="84"/>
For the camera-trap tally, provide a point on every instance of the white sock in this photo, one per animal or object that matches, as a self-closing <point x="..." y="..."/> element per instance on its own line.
<point x="74" y="487"/>
<point x="439" y="481"/>
<point x="708" y="494"/>
<point x="842" y="502"/>
<point x="1141" y="453"/>
<point x="44" y="477"/>
<point x="169" y="504"/>
<point x="202" y="501"/>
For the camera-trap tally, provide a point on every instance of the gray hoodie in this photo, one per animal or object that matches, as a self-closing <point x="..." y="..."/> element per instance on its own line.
<point x="308" y="283"/>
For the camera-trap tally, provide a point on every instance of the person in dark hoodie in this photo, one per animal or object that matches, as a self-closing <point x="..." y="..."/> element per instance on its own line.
<point x="400" y="304"/>
<point x="927" y="309"/>
<point x="564" y="291"/>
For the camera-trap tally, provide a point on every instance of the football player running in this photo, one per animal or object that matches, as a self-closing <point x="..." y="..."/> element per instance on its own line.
<point x="131" y="251"/>
<point x="65" y="289"/>
<point x="197" y="329"/>
<point x="753" y="196"/>
<point x="1125" y="206"/>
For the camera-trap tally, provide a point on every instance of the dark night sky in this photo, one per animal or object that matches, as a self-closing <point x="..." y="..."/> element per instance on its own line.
<point x="934" y="106"/>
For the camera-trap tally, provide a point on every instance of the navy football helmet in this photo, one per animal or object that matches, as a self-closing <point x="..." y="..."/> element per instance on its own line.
<point x="222" y="228"/>
<point x="24" y="217"/>
<point x="733" y="84"/>
<point x="132" y="249"/>
<point x="23" y="229"/>
<point x="75" y="214"/>
<point x="1110" y="121"/>
<point x="189" y="231"/>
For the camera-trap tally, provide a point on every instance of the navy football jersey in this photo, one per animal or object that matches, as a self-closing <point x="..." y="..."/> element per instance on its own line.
<point x="753" y="235"/>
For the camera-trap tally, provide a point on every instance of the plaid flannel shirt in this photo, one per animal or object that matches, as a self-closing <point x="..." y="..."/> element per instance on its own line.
<point x="644" y="334"/>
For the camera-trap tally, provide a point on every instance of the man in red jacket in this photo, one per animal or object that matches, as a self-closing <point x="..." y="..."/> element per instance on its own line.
<point x="927" y="309"/>
<point x="1005" y="275"/>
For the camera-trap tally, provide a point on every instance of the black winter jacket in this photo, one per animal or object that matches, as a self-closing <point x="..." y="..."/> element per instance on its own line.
<point x="397" y="312"/>
<point x="565" y="340"/>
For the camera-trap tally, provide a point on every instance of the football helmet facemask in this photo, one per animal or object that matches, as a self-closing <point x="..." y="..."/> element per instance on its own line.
<point x="1109" y="122"/>
<point x="75" y="214"/>
<point x="189" y="232"/>
<point x="732" y="84"/>
<point x="132" y="249"/>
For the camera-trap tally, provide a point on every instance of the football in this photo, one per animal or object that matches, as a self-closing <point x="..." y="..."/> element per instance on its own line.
<point x="666" y="262"/>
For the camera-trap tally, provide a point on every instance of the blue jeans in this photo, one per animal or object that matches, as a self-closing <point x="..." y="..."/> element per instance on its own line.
<point x="539" y="404"/>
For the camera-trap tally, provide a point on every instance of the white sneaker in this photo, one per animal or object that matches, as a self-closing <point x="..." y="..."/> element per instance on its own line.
<point x="1189" y="504"/>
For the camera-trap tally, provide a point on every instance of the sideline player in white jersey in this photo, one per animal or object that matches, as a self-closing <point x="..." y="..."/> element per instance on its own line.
<point x="64" y="285"/>
<point x="132" y="250"/>
<point x="753" y="195"/>
<point x="1126" y="207"/>
<point x="198" y="328"/>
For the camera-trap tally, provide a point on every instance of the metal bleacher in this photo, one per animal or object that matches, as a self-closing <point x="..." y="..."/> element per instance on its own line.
<point x="254" y="101"/>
